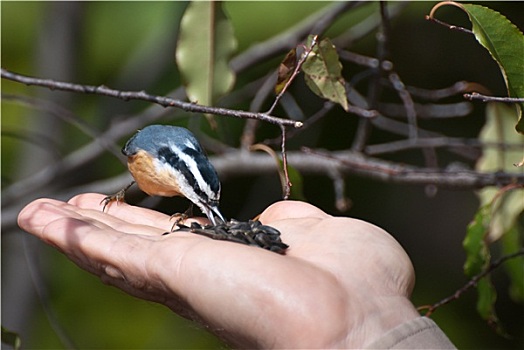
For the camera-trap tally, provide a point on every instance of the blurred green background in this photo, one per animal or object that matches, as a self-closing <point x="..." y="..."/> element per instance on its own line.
<point x="130" y="46"/>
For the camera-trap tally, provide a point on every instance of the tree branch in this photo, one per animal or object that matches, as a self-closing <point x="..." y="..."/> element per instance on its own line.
<point x="471" y="283"/>
<point x="300" y="62"/>
<point x="316" y="23"/>
<point x="485" y="98"/>
<point x="238" y="163"/>
<point x="358" y="164"/>
<point x="287" y="186"/>
<point x="143" y="96"/>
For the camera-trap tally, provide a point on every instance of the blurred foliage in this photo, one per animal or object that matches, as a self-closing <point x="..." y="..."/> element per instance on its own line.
<point x="116" y="43"/>
<point x="204" y="48"/>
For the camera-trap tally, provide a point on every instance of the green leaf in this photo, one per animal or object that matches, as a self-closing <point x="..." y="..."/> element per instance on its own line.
<point x="477" y="252"/>
<point x="11" y="338"/>
<point x="477" y="261"/>
<point x="206" y="42"/>
<point x="499" y="129"/>
<point x="487" y="296"/>
<point x="512" y="242"/>
<point x="323" y="73"/>
<point x="505" y="43"/>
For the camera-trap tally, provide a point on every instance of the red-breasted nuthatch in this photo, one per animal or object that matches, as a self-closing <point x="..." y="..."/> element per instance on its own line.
<point x="168" y="161"/>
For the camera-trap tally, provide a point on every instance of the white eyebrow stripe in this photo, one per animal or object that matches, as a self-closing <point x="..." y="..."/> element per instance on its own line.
<point x="193" y="167"/>
<point x="190" y="144"/>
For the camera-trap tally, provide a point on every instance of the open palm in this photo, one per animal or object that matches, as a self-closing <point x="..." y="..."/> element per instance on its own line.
<point x="341" y="284"/>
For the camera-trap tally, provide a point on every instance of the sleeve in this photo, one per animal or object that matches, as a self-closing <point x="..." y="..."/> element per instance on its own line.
<point x="419" y="333"/>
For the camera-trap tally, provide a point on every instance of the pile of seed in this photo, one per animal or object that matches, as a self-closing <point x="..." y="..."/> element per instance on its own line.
<point x="250" y="232"/>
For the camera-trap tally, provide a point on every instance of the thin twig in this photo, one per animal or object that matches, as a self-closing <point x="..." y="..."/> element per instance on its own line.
<point x="485" y="98"/>
<point x="434" y="142"/>
<point x="394" y="78"/>
<point x="342" y="203"/>
<point x="439" y="94"/>
<point x="362" y="60"/>
<point x="431" y="16"/>
<point x="62" y="113"/>
<point x="471" y="283"/>
<point x="409" y="105"/>
<point x="449" y="26"/>
<point x="143" y="96"/>
<point x="279" y="44"/>
<point x="429" y="110"/>
<point x="248" y="134"/>
<point x="288" y="184"/>
<point x="375" y="88"/>
<point x="390" y="125"/>
<point x="352" y="163"/>
<point x="300" y="62"/>
<point x="321" y="113"/>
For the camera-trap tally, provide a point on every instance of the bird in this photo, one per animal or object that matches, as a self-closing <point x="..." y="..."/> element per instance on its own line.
<point x="168" y="161"/>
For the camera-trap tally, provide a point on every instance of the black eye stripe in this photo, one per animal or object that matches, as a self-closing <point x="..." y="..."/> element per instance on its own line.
<point x="168" y="156"/>
<point x="206" y="169"/>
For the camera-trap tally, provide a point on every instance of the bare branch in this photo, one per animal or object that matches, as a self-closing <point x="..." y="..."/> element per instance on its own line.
<point x="238" y="163"/>
<point x="431" y="16"/>
<point x="321" y="113"/>
<point x="248" y="134"/>
<point x="449" y="26"/>
<point x="375" y="88"/>
<point x="439" y="94"/>
<point x="62" y="113"/>
<point x="484" y="98"/>
<point x="359" y="164"/>
<point x="433" y="142"/>
<point x="362" y="60"/>
<point x="409" y="105"/>
<point x="471" y="283"/>
<point x="288" y="184"/>
<point x="316" y="23"/>
<point x="300" y="62"/>
<point x="342" y="203"/>
<point x="143" y="96"/>
<point x="429" y="110"/>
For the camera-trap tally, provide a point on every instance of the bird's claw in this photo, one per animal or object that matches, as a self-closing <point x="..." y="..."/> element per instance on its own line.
<point x="181" y="217"/>
<point x="118" y="197"/>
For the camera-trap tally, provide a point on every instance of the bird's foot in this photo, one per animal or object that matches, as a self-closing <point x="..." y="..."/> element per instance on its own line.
<point x="180" y="218"/>
<point x="117" y="197"/>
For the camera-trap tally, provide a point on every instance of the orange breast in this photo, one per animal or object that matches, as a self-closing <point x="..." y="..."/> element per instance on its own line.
<point x="151" y="179"/>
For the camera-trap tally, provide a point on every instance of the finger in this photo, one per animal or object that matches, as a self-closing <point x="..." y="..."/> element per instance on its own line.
<point x="90" y="243"/>
<point x="291" y="210"/>
<point x="133" y="214"/>
<point x="39" y="213"/>
<point x="117" y="258"/>
<point x="36" y="216"/>
<point x="125" y="212"/>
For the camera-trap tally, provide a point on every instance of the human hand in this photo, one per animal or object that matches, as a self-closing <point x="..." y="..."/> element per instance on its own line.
<point x="342" y="283"/>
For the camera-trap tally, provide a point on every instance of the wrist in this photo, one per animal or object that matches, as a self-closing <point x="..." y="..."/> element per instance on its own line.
<point x="385" y="314"/>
